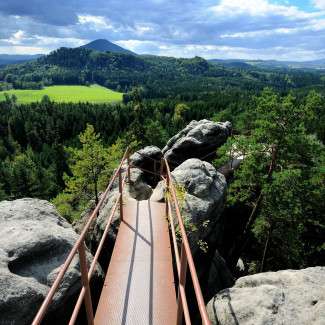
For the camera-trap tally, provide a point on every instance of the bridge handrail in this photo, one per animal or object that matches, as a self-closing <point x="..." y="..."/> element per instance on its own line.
<point x="80" y="247"/>
<point x="186" y="258"/>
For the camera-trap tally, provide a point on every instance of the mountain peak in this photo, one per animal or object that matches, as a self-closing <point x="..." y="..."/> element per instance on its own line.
<point x="103" y="45"/>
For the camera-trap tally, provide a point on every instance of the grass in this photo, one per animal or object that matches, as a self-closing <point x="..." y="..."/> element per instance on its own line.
<point x="66" y="94"/>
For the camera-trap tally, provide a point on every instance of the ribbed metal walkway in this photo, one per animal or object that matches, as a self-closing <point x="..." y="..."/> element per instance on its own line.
<point x="139" y="286"/>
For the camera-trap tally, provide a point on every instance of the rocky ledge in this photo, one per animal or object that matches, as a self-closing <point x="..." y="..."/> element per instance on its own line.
<point x="272" y="298"/>
<point x="34" y="242"/>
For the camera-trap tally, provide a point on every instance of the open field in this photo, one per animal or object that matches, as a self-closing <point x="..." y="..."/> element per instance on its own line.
<point x="75" y="94"/>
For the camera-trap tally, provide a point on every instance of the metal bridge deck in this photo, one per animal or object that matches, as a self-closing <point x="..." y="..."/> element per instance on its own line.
<point x="139" y="285"/>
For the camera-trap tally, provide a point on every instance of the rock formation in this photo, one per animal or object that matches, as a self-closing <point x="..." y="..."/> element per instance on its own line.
<point x="273" y="298"/>
<point x="145" y="158"/>
<point x="34" y="242"/>
<point x="203" y="191"/>
<point x="199" y="139"/>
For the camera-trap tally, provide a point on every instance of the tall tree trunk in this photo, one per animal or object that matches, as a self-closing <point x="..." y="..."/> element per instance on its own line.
<point x="266" y="246"/>
<point x="96" y="192"/>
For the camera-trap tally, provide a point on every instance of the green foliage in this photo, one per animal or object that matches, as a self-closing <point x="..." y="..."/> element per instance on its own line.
<point x="280" y="133"/>
<point x="189" y="225"/>
<point x="277" y="177"/>
<point x="87" y="165"/>
<point x="67" y="206"/>
<point x="29" y="179"/>
<point x="92" y="166"/>
<point x="159" y="76"/>
<point x="180" y="112"/>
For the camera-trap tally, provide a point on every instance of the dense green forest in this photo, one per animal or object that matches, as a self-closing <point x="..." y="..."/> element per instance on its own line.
<point x="159" y="76"/>
<point x="46" y="147"/>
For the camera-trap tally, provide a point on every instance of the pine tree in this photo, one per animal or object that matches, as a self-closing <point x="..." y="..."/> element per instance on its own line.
<point x="87" y="165"/>
<point x="275" y="178"/>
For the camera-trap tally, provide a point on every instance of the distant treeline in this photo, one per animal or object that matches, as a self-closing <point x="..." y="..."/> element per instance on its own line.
<point x="159" y="76"/>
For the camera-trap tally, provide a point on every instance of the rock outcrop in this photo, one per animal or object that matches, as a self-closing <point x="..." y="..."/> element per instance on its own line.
<point x="202" y="193"/>
<point x="273" y="298"/>
<point x="148" y="161"/>
<point x="199" y="139"/>
<point x="34" y="242"/>
<point x="144" y="158"/>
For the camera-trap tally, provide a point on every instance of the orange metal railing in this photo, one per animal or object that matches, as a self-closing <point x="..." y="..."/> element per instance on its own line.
<point x="79" y="247"/>
<point x="184" y="260"/>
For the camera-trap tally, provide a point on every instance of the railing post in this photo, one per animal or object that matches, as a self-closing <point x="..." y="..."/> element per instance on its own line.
<point x="161" y="166"/>
<point x="121" y="192"/>
<point x="85" y="283"/>
<point x="182" y="283"/>
<point x="167" y="193"/>
<point x="129" y="168"/>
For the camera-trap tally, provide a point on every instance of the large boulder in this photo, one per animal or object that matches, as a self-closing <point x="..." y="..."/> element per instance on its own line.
<point x="199" y="139"/>
<point x="148" y="160"/>
<point x="201" y="190"/>
<point x="145" y="157"/>
<point x="273" y="298"/>
<point x="34" y="242"/>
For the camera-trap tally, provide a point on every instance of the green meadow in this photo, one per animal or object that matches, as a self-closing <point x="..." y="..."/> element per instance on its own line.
<point x="67" y="94"/>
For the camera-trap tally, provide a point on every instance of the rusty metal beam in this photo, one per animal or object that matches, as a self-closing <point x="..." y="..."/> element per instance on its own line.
<point x="85" y="284"/>
<point x="187" y="250"/>
<point x="45" y="305"/>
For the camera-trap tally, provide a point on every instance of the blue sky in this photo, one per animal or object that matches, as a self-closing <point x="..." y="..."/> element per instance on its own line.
<point x="248" y="29"/>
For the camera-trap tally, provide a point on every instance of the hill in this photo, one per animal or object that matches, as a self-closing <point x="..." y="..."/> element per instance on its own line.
<point x="273" y="64"/>
<point x="158" y="76"/>
<point x="103" y="45"/>
<point x="17" y="58"/>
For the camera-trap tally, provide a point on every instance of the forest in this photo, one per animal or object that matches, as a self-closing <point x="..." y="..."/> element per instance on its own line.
<point x="159" y="76"/>
<point x="46" y="147"/>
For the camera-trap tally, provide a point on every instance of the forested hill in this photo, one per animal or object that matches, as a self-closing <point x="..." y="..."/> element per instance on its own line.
<point x="159" y="76"/>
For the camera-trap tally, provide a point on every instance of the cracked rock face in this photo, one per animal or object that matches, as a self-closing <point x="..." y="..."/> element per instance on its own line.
<point x="272" y="298"/>
<point x="34" y="242"/>
<point x="197" y="140"/>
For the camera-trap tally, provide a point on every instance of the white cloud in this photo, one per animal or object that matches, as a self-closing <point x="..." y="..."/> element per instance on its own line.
<point x="209" y="28"/>
<point x="54" y="42"/>
<point x="320" y="4"/>
<point x="260" y="33"/>
<point x="314" y="25"/>
<point x="17" y="38"/>
<point x="137" y="45"/>
<point x="96" y="23"/>
<point x="141" y="29"/>
<point x="222" y="52"/>
<point x="258" y="8"/>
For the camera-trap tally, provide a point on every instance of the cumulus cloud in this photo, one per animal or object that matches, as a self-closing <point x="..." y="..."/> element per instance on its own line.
<point x="209" y="28"/>
<point x="259" y="8"/>
<point x="320" y="4"/>
<point x="96" y="23"/>
<point x="17" y="37"/>
<point x="225" y="52"/>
